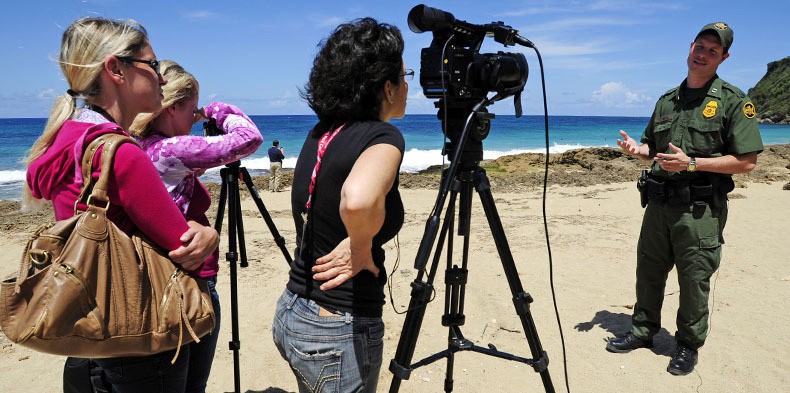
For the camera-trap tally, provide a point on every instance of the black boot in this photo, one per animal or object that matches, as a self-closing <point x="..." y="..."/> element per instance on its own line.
<point x="683" y="360"/>
<point x="628" y="343"/>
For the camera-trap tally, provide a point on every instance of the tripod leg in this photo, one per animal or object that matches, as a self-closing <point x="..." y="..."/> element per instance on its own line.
<point x="456" y="278"/>
<point x="223" y="197"/>
<point x="278" y="239"/>
<point x="400" y="366"/>
<point x="232" y="257"/>
<point x="448" y="375"/>
<point x="240" y="231"/>
<point x="521" y="299"/>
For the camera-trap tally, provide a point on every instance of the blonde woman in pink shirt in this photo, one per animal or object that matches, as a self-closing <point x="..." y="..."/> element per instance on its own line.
<point x="179" y="158"/>
<point x="111" y="67"/>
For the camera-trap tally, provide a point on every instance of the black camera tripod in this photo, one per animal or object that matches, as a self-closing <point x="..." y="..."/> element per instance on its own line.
<point x="470" y="176"/>
<point x="230" y="193"/>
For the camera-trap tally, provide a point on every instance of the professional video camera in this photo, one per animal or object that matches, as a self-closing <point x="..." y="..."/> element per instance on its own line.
<point x="453" y="70"/>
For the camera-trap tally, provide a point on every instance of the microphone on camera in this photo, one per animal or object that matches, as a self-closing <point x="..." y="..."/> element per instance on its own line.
<point x="423" y="18"/>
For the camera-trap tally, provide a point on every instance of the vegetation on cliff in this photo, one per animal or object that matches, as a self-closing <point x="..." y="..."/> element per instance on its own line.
<point x="771" y="95"/>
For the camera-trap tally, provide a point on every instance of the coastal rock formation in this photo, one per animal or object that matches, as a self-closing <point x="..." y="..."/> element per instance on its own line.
<point x="771" y="95"/>
<point x="513" y="173"/>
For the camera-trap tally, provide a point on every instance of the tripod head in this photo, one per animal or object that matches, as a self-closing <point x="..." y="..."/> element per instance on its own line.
<point x="466" y="124"/>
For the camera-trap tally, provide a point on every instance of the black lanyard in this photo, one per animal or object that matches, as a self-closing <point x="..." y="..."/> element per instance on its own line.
<point x="101" y="111"/>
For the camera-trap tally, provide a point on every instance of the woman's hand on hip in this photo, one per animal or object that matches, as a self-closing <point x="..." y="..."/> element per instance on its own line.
<point x="343" y="263"/>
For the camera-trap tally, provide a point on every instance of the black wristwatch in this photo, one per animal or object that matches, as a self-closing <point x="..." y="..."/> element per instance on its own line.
<point x="692" y="166"/>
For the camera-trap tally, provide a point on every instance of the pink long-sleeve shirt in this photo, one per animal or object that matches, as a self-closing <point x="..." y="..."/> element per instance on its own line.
<point x="178" y="159"/>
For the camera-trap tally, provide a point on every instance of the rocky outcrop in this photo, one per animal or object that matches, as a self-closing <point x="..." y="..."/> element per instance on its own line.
<point x="771" y="95"/>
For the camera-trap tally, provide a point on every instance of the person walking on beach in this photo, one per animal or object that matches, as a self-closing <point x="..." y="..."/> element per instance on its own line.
<point x="700" y="134"/>
<point x="276" y="155"/>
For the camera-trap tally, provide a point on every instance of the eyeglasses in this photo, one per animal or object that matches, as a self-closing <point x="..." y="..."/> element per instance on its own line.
<point x="154" y="64"/>
<point x="408" y="74"/>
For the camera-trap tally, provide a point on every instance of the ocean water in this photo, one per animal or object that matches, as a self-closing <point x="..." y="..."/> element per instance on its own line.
<point x="423" y="135"/>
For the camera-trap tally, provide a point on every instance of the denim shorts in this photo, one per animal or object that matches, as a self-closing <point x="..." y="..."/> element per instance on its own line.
<point x="338" y="353"/>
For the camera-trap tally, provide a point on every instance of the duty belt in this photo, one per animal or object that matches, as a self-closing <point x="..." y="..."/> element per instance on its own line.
<point x="704" y="190"/>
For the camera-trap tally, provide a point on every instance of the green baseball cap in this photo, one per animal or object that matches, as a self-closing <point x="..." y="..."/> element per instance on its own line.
<point x="722" y="30"/>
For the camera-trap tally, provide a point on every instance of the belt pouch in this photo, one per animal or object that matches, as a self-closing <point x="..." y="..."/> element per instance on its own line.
<point x="656" y="190"/>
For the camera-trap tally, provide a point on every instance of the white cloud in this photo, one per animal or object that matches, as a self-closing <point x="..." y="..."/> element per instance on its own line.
<point x="641" y="7"/>
<point x="549" y="47"/>
<point x="283" y="101"/>
<point x="49" y="94"/>
<point x="418" y="103"/>
<point x="583" y="7"/>
<point x="201" y="15"/>
<point x="331" y="21"/>
<point x="568" y="24"/>
<point x="617" y="95"/>
<point x="279" y="103"/>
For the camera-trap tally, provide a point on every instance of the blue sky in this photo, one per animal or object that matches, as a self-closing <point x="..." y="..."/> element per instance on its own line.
<point x="608" y="57"/>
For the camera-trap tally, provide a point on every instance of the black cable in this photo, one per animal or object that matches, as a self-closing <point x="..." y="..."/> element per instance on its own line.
<point x="545" y="221"/>
<point x="392" y="274"/>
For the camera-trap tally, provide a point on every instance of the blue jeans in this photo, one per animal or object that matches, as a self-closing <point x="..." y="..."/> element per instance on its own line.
<point x="338" y="353"/>
<point x="201" y="355"/>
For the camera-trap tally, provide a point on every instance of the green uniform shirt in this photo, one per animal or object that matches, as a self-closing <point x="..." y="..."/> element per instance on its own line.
<point x="714" y="124"/>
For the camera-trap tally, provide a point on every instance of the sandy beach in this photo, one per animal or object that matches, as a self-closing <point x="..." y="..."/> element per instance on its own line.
<point x="593" y="217"/>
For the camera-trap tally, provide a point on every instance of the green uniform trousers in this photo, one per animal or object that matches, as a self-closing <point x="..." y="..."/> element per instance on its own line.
<point x="690" y="238"/>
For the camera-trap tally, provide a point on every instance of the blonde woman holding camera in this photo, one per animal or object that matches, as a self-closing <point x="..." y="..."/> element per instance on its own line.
<point x="179" y="158"/>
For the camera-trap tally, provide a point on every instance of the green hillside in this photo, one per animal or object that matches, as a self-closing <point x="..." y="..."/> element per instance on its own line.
<point x="771" y="95"/>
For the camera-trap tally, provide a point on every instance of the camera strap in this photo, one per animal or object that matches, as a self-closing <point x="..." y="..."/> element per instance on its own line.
<point x="323" y="143"/>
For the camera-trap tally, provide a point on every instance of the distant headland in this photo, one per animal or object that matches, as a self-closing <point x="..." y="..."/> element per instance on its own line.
<point x="771" y="95"/>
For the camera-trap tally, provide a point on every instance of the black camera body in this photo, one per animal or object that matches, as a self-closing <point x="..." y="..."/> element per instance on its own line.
<point x="210" y="128"/>
<point x="453" y="70"/>
<point x="461" y="71"/>
<point x="453" y="67"/>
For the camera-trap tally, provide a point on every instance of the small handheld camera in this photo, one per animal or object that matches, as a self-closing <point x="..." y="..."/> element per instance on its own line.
<point x="210" y="128"/>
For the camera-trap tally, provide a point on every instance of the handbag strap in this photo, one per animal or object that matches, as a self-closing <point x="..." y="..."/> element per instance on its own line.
<point x="96" y="190"/>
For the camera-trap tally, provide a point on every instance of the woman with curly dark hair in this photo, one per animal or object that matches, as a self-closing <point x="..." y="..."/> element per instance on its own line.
<point x="345" y="205"/>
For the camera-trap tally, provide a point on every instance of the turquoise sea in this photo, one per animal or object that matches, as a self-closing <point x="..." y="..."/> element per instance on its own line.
<point x="424" y="140"/>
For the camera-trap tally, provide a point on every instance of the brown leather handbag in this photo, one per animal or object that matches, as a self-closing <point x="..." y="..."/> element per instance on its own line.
<point x="84" y="288"/>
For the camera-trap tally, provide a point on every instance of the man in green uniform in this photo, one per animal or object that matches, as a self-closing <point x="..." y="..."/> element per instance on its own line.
<point x="701" y="133"/>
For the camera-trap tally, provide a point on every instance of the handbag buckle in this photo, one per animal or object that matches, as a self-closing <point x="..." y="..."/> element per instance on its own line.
<point x="106" y="205"/>
<point x="41" y="260"/>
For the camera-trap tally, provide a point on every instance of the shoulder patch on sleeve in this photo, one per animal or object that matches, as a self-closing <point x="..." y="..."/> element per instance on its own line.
<point x="748" y="110"/>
